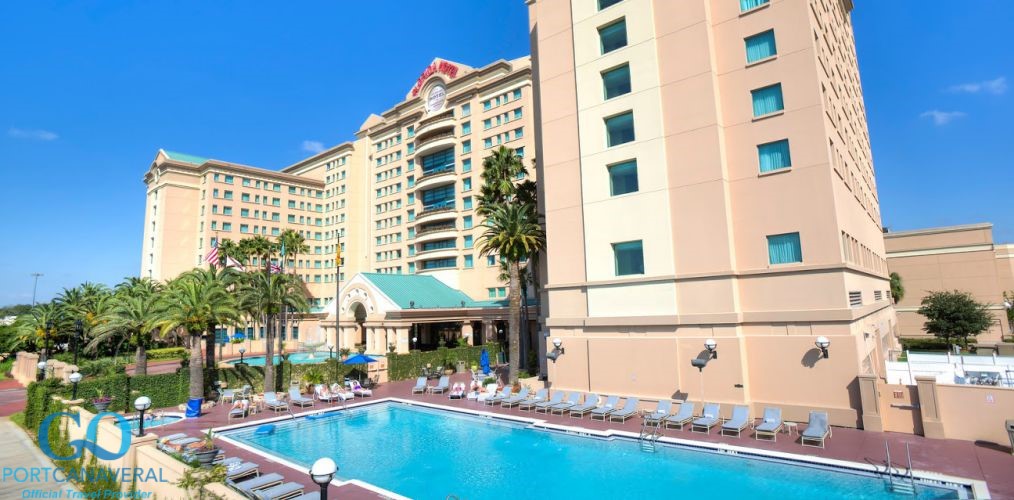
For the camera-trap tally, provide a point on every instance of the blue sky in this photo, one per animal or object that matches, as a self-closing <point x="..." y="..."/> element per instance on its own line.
<point x="91" y="90"/>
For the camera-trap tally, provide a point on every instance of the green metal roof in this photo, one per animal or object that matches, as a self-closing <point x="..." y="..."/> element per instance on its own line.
<point x="173" y="155"/>
<point x="426" y="291"/>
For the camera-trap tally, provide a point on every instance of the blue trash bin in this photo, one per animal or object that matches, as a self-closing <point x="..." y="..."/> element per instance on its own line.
<point x="194" y="407"/>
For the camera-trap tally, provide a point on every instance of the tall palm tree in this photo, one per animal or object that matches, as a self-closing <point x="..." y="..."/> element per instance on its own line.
<point x="40" y="328"/>
<point x="191" y="305"/>
<point x="85" y="303"/>
<point x="129" y="319"/>
<point x="265" y="295"/>
<point x="260" y="247"/>
<point x="221" y="277"/>
<point x="228" y="248"/>
<point x="513" y="232"/>
<point x="293" y="243"/>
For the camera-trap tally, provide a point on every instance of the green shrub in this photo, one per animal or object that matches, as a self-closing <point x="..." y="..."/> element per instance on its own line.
<point x="102" y="367"/>
<point x="410" y="365"/>
<point x="167" y="353"/>
<point x="924" y="344"/>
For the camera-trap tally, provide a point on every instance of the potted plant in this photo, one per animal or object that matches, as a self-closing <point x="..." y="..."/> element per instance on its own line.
<point x="344" y="352"/>
<point x="206" y="454"/>
<point x="101" y="401"/>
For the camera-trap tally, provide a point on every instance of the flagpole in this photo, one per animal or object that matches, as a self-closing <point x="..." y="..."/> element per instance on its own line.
<point x="337" y="280"/>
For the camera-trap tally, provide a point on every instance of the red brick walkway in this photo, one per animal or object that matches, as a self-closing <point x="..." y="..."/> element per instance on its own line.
<point x="12" y="397"/>
<point x="989" y="463"/>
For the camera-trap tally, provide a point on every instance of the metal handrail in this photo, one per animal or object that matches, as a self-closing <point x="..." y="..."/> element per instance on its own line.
<point x="432" y="138"/>
<point x="434" y="229"/>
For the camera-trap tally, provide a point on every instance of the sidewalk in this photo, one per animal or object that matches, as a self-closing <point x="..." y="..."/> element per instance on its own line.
<point x="12" y="397"/>
<point x="20" y="453"/>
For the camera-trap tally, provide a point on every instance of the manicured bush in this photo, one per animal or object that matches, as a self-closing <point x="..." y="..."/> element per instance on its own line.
<point x="407" y="366"/>
<point x="167" y="353"/>
<point x="39" y="402"/>
<point x="924" y="344"/>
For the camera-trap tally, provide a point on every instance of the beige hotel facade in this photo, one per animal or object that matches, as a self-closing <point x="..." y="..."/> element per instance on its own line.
<point x="706" y="173"/>
<point x="400" y="199"/>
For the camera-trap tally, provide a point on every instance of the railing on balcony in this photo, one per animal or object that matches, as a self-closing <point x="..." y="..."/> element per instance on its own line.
<point x="433" y="138"/>
<point x="440" y="206"/>
<point x="436" y="171"/>
<point x="433" y="228"/>
<point x="436" y="118"/>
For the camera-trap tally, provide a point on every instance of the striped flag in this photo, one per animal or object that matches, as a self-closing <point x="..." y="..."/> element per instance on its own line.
<point x="212" y="257"/>
<point x="231" y="262"/>
<point x="274" y="269"/>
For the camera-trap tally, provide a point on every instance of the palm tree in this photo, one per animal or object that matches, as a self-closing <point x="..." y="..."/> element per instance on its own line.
<point x="40" y="328"/>
<point x="228" y="248"/>
<point x="293" y="243"/>
<point x="513" y="232"/>
<point x="259" y="247"/>
<point x="130" y="319"/>
<point x="86" y="303"/>
<point x="265" y="295"/>
<point x="212" y="277"/>
<point x="191" y="305"/>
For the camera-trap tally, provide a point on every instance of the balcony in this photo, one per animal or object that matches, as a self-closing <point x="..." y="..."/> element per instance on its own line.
<point x="443" y="210"/>
<point x="436" y="177"/>
<point x="439" y="253"/>
<point x="435" y="142"/>
<point x="434" y="124"/>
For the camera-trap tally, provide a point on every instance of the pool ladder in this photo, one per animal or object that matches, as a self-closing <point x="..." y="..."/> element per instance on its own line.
<point x="905" y="483"/>
<point x="650" y="432"/>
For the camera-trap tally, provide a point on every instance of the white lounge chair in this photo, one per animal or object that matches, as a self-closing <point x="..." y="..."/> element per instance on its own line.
<point x="628" y="410"/>
<point x="297" y="399"/>
<point x="441" y="387"/>
<point x="358" y="389"/>
<point x="572" y="400"/>
<point x="591" y="402"/>
<point x="682" y="417"/>
<point x="515" y="399"/>
<point x="272" y="402"/>
<point x="735" y="425"/>
<point x="817" y="430"/>
<point x="603" y="411"/>
<point x="661" y="411"/>
<point x="420" y="386"/>
<point x="544" y="406"/>
<point x="770" y="424"/>
<point x="709" y="418"/>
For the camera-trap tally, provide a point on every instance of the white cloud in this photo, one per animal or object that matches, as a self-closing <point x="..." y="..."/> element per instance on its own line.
<point x="313" y="146"/>
<point x="33" y="135"/>
<point x="995" y="86"/>
<point x="942" y="117"/>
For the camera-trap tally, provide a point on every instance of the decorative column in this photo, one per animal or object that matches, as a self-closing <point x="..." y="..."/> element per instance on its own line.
<point x="404" y="335"/>
<point x="466" y="332"/>
<point x="932" y="425"/>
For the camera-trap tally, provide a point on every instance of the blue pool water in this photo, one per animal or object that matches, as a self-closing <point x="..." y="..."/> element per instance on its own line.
<point x="424" y="453"/>
<point x="150" y="422"/>
<point x="297" y="358"/>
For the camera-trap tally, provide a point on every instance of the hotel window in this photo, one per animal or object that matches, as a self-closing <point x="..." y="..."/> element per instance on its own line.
<point x="487" y="143"/>
<point x="411" y="147"/>
<point x="410" y="132"/>
<point x="214" y="193"/>
<point x="468" y="241"/>
<point x="214" y="210"/>
<point x="466" y="110"/>
<point x="745" y="5"/>
<point x="245" y="197"/>
<point x="486" y="105"/>
<point x="466" y="147"/>
<point x="411" y="180"/>
<point x="519" y="133"/>
<point x="517" y="114"/>
<point x="275" y="217"/>
<point x="244" y="212"/>
<point x="411" y="215"/>
<point x="228" y="195"/>
<point x="616" y="82"/>
<point x="623" y="178"/>
<point x="608" y="3"/>
<point x="487" y="123"/>
<point x="620" y="129"/>
<point x="292" y="219"/>
<point x="467" y="202"/>
<point x="613" y="36"/>
<point x="469" y="263"/>
<point x="767" y="100"/>
<point x="411" y="250"/>
<point x="761" y="46"/>
<point x="501" y="292"/>
<point x="784" y="249"/>
<point x="411" y="197"/>
<point x="228" y="179"/>
<point x="243" y="228"/>
<point x="467" y="222"/>
<point x="227" y="210"/>
<point x="517" y="94"/>
<point x="491" y="293"/>
<point x="226" y="226"/>
<point x="466" y="128"/>
<point x="277" y="188"/>
<point x="216" y="177"/>
<point x="246" y="182"/>
<point x="276" y="202"/>
<point x="628" y="258"/>
<point x="411" y="165"/>
<point x="774" y="155"/>
<point x="466" y="165"/>
<point x="490" y="260"/>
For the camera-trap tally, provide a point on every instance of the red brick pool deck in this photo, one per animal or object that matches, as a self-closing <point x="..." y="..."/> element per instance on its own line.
<point x="984" y="462"/>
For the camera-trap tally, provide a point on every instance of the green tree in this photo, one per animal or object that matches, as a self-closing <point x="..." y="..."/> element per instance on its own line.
<point x="1008" y="304"/>
<point x="225" y="278"/>
<point x="954" y="316"/>
<point x="293" y="243"/>
<point x="259" y="247"/>
<point x="130" y="318"/>
<point x="228" y="248"/>
<point x="897" y="288"/>
<point x="264" y="295"/>
<point x="31" y="330"/>
<point x="191" y="305"/>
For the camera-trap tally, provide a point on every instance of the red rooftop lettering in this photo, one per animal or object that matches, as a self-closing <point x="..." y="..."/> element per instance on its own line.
<point x="442" y="67"/>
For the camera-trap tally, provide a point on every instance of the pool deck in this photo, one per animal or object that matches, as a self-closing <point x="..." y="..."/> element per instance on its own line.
<point x="984" y="462"/>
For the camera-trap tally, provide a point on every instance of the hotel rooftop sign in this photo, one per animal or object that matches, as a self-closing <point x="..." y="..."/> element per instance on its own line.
<point x="441" y="67"/>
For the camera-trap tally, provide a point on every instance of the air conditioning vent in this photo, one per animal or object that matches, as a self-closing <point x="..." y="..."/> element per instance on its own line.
<point x="878" y="295"/>
<point x="855" y="299"/>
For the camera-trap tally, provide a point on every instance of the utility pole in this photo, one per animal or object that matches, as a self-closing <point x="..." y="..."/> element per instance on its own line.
<point x="35" y="286"/>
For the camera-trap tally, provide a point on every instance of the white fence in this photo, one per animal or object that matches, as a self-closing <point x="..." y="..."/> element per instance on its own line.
<point x="953" y="369"/>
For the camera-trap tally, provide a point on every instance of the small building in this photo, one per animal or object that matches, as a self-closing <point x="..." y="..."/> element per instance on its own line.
<point x="961" y="258"/>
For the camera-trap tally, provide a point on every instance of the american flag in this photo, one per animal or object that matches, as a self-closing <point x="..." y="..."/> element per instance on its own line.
<point x="212" y="257"/>
<point x="274" y="269"/>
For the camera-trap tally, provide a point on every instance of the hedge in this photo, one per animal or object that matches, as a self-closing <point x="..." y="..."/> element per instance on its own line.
<point x="167" y="353"/>
<point x="329" y="371"/>
<point x="407" y="366"/>
<point x="924" y="344"/>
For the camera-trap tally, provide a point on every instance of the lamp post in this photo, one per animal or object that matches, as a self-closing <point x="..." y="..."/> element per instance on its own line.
<point x="78" y="335"/>
<point x="42" y="370"/>
<point x="330" y="351"/>
<point x="141" y="404"/>
<point x="74" y="379"/>
<point x="242" y="351"/>
<point x="557" y="350"/>
<point x="823" y="343"/>
<point x="322" y="473"/>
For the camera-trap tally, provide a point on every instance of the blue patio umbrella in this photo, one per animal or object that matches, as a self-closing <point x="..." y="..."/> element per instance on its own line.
<point x="484" y="361"/>
<point x="360" y="359"/>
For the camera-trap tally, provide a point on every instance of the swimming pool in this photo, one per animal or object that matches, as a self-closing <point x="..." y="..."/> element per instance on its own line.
<point x="297" y="358"/>
<point x="425" y="453"/>
<point x="165" y="419"/>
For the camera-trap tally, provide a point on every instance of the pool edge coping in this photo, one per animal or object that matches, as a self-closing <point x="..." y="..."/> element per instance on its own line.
<point x="979" y="488"/>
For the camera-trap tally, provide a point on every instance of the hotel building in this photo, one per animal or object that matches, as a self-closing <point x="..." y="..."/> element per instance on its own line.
<point x="963" y="258"/>
<point x="705" y="173"/>
<point x="399" y="198"/>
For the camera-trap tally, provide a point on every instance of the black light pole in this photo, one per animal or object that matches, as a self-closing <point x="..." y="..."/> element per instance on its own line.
<point x="78" y="335"/>
<point x="141" y="404"/>
<point x="74" y="379"/>
<point x="322" y="472"/>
